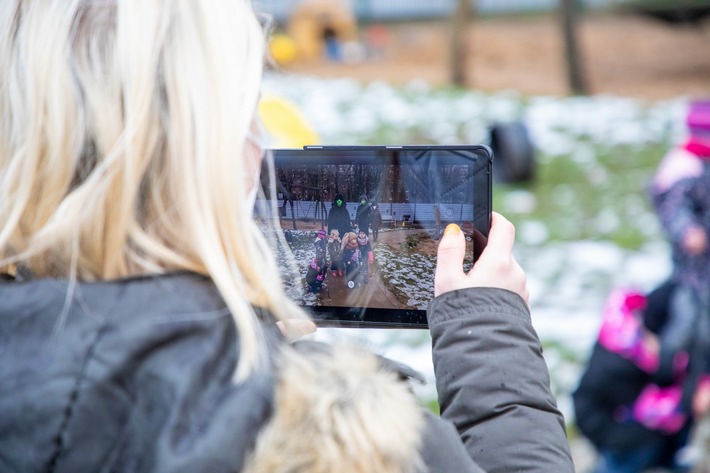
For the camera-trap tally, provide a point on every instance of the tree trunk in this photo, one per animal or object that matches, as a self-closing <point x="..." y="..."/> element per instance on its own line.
<point x="458" y="48"/>
<point x="569" y="14"/>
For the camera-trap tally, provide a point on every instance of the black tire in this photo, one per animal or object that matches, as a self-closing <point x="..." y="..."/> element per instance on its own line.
<point x="514" y="155"/>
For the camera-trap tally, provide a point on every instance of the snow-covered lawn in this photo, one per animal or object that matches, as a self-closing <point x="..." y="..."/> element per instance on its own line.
<point x="584" y="226"/>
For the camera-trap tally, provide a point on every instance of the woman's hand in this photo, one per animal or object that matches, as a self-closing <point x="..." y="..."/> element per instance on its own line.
<point x="293" y="329"/>
<point x="495" y="268"/>
<point x="695" y="241"/>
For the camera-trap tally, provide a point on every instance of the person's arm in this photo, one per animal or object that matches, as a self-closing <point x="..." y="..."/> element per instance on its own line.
<point x="609" y="386"/>
<point x="491" y="378"/>
<point x="675" y="208"/>
<point x="593" y="414"/>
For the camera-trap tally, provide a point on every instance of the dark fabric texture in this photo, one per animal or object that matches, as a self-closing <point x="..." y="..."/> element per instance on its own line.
<point x="442" y="449"/>
<point x="363" y="217"/>
<point x="602" y="401"/>
<point x="134" y="377"/>
<point x="338" y="217"/>
<point x="493" y="383"/>
<point x="611" y="384"/>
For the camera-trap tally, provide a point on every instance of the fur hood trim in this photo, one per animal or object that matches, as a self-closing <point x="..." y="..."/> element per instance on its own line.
<point x="339" y="409"/>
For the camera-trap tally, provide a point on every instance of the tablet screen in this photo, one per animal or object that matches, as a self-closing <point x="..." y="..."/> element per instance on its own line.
<point x="363" y="224"/>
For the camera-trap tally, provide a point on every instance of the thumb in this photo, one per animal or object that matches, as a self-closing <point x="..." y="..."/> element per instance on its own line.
<point x="293" y="329"/>
<point x="449" y="260"/>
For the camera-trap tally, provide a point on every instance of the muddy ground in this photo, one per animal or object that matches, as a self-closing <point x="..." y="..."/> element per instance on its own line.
<point x="376" y="292"/>
<point x="625" y="55"/>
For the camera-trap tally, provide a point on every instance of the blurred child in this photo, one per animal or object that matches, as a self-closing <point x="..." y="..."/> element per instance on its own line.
<point x="680" y="192"/>
<point x="335" y="253"/>
<point x="320" y="245"/>
<point x="314" y="276"/>
<point x="366" y="256"/>
<point x="634" y="423"/>
<point x="351" y="259"/>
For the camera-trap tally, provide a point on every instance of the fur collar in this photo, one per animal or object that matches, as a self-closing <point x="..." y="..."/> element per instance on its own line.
<point x="338" y="409"/>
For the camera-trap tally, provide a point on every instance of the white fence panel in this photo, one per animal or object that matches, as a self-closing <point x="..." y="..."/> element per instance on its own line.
<point x="420" y="212"/>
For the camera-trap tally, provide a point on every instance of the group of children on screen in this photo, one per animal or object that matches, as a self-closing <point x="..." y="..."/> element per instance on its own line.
<point x="348" y="257"/>
<point x="346" y="251"/>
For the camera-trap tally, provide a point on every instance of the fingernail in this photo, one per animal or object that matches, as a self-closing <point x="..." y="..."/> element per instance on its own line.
<point x="452" y="229"/>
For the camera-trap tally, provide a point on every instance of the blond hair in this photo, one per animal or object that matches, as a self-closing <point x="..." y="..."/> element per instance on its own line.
<point x="123" y="146"/>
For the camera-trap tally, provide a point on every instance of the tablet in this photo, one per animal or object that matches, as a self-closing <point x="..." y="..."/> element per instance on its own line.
<point x="363" y="225"/>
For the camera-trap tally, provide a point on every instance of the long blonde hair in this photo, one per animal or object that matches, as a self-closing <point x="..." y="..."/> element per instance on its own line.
<point x="123" y="146"/>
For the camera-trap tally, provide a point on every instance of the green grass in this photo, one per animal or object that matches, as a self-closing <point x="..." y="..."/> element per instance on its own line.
<point x="595" y="192"/>
<point x="602" y="198"/>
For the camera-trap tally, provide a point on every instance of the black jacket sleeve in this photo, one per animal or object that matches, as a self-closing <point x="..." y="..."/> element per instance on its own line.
<point x="442" y="449"/>
<point x="607" y="389"/>
<point x="493" y="383"/>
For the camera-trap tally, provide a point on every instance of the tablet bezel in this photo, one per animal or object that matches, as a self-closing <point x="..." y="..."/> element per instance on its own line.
<point x="368" y="317"/>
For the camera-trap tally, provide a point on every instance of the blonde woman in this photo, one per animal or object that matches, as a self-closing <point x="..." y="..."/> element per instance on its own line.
<point x="139" y="310"/>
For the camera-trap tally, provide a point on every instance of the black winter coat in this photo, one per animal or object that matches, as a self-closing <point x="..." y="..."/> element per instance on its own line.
<point x="611" y="384"/>
<point x="136" y="376"/>
<point x="339" y="217"/>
